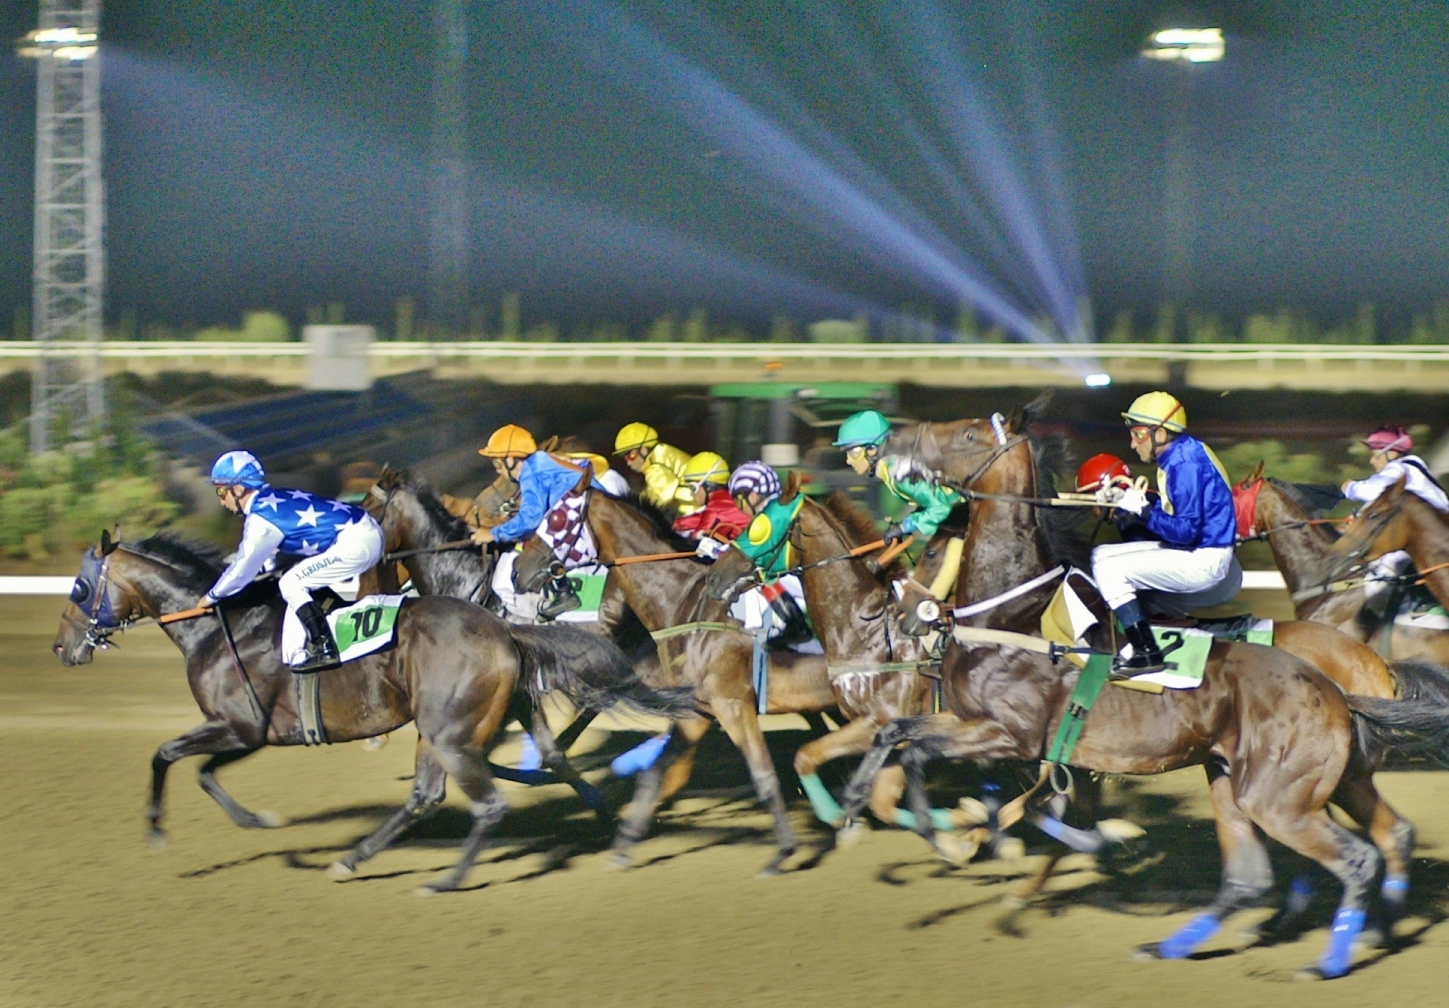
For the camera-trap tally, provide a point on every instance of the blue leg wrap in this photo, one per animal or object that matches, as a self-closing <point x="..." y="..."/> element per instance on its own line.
<point x="1347" y="923"/>
<point x="641" y="757"/>
<point x="827" y="810"/>
<point x="530" y="759"/>
<point x="1395" y="889"/>
<point x="1300" y="894"/>
<point x="1180" y="943"/>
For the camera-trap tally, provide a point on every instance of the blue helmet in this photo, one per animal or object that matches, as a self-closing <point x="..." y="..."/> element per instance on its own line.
<point x="238" y="467"/>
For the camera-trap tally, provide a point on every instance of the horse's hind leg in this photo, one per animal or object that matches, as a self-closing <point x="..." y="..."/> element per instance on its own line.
<point x="648" y="786"/>
<point x="1247" y="873"/>
<point x="470" y="769"/>
<point x="239" y="813"/>
<point x="553" y="758"/>
<point x="430" y="783"/>
<point x="1391" y="833"/>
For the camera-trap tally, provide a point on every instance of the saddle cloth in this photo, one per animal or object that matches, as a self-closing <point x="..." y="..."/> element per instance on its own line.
<point x="366" y="626"/>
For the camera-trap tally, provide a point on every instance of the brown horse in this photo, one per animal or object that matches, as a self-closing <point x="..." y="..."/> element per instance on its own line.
<point x="1276" y="736"/>
<point x="875" y="672"/>
<point x="1301" y="549"/>
<point x="1395" y="520"/>
<point x="456" y="670"/>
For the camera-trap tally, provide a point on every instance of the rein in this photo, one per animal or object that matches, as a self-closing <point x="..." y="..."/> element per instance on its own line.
<point x="1288" y="526"/>
<point x="456" y="544"/>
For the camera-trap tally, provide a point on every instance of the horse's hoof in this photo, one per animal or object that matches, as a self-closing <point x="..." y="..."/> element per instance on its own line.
<point x="1120" y="831"/>
<point x="1151" y="952"/>
<point x="971" y="812"/>
<point x="620" y="862"/>
<point x="954" y="851"/>
<point x="267" y="819"/>
<point x="340" y="871"/>
<point x="1010" y="848"/>
<point x="850" y="834"/>
<point x="156" y="840"/>
<point x="1371" y="938"/>
<point x="423" y="892"/>
<point x="769" y="871"/>
<point x="374" y="744"/>
<point x="1310" y="972"/>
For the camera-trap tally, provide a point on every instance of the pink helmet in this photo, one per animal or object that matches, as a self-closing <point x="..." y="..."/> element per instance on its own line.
<point x="1390" y="438"/>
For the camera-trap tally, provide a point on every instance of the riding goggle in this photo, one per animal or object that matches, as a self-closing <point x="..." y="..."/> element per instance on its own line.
<point x="860" y="451"/>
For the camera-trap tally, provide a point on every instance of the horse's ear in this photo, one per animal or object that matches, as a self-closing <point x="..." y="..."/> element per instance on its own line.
<point x="586" y="478"/>
<point x="551" y="444"/>
<point x="108" y="545"/>
<point x="1255" y="475"/>
<point x="792" y="487"/>
<point x="1022" y="416"/>
<point x="1394" y="492"/>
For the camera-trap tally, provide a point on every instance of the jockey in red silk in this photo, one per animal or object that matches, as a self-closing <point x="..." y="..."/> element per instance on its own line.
<point x="336" y="542"/>
<point x="719" y="520"/>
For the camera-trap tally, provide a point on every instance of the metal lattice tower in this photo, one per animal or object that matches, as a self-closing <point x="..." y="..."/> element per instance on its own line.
<point x="69" y="266"/>
<point x="447" y="195"/>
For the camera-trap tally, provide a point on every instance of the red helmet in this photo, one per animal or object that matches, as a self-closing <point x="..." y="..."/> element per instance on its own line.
<point x="1100" y="470"/>
<point x="1390" y="438"/>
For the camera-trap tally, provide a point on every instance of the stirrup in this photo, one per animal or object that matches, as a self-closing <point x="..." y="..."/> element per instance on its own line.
<point x="323" y="655"/>
<point x="559" y="604"/>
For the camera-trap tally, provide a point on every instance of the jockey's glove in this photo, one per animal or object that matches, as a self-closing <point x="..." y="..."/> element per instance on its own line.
<point x="1109" y="493"/>
<point x="1133" y="501"/>
<point x="894" y="534"/>
<point x="710" y="548"/>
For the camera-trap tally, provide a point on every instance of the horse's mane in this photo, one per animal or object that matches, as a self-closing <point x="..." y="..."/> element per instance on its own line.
<point x="1065" y="528"/>
<point x="199" y="563"/>
<point x="657" y="519"/>
<point x="1315" y="499"/>
<point x="855" y="525"/>
<point x="427" y="498"/>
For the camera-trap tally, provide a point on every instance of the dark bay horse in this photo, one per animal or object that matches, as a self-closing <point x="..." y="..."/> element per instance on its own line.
<point x="1278" y="739"/>
<point x="697" y="648"/>
<point x="875" y="671"/>
<point x="455" y="671"/>
<point x="1395" y="520"/>
<point x="1301" y="551"/>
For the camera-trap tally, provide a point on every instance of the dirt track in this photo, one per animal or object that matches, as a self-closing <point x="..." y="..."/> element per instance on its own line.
<point x="228" y="917"/>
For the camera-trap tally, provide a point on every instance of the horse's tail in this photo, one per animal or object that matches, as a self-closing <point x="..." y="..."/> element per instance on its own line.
<point x="590" y="670"/>
<point x="1422" y="680"/>
<point x="1408" y="728"/>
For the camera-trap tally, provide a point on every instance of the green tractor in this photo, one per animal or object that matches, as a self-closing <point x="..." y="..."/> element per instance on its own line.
<point x="790" y="425"/>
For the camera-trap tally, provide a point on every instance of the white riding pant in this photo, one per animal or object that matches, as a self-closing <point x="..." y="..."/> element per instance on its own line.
<point x="518" y="607"/>
<point x="1388" y="566"/>
<point x="358" y="548"/>
<point x="1123" y="569"/>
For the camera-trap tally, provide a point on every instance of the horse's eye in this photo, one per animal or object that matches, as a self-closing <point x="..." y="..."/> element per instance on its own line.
<point x="80" y="592"/>
<point x="930" y="553"/>
<point x="970" y="435"/>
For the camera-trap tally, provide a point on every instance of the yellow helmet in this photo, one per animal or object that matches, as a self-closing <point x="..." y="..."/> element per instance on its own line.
<point x="1158" y="409"/>
<point x="707" y="467"/>
<point x="509" y="441"/>
<point x="635" y="437"/>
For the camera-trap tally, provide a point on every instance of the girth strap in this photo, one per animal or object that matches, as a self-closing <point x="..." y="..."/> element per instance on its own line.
<point x="1089" y="686"/>
<point x="686" y="628"/>
<point x="876" y="668"/>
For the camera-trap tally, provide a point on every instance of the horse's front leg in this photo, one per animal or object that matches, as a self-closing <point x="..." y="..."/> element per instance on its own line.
<point x="214" y="738"/>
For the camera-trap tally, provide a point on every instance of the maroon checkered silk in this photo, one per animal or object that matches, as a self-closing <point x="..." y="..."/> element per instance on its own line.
<point x="565" y="532"/>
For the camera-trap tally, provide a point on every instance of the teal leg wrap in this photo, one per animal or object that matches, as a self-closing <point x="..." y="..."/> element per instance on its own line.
<point x="941" y="820"/>
<point x="827" y="810"/>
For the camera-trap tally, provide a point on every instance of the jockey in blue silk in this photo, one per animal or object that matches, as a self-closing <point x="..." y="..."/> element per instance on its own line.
<point x="1193" y="526"/>
<point x="335" y="541"/>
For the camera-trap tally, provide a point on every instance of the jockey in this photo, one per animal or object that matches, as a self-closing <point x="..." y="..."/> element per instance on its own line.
<point x="1110" y="472"/>
<point x="662" y="466"/>
<point x="756" y="491"/>
<point x="543" y="480"/>
<point x="719" y="519"/>
<point x="862" y="435"/>
<point x="1193" y="526"/>
<point x="336" y="541"/>
<point x="1391" y="454"/>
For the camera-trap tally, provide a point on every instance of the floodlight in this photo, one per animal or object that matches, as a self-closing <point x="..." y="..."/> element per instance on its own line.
<point x="1099" y="380"/>
<point x="1191" y="45"/>
<point x="58" y="43"/>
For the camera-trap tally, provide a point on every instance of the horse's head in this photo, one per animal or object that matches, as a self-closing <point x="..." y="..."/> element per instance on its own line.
<point x="1379" y="528"/>
<point x="963" y="453"/>
<point x="497" y="503"/>
<point x="535" y="567"/>
<point x="100" y="604"/>
<point x="730" y="574"/>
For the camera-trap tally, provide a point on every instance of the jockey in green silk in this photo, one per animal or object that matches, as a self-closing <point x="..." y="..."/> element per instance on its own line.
<point x="862" y="436"/>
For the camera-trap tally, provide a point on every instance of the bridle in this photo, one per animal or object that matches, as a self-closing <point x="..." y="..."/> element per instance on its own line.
<point x="1004" y="443"/>
<point x="92" y="596"/>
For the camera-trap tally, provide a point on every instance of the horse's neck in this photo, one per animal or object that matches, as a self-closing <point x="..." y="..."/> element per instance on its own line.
<point x="1429" y="546"/>
<point x="1299" y="552"/>
<point x="660" y="594"/>
<point x="1005" y="547"/>
<point x="848" y="606"/>
<point x="453" y="573"/>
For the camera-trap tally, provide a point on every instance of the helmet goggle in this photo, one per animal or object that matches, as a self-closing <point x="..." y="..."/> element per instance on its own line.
<point x="860" y="451"/>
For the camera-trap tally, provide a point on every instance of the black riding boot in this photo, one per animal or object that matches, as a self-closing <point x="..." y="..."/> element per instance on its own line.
<point x="560" y="596"/>
<point x="794" y="627"/>
<point x="1146" y="655"/>
<point x="321" y="650"/>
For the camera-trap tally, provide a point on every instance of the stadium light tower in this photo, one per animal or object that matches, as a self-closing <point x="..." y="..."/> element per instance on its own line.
<point x="1185" y="48"/>
<point x="447" y="195"/>
<point x="69" y="263"/>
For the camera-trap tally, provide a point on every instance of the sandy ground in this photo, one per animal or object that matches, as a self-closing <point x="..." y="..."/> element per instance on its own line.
<point x="222" y="916"/>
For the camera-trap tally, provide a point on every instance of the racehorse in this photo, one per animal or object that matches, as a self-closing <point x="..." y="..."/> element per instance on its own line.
<point x="874" y="671"/>
<point x="1396" y="520"/>
<point x="455" y="670"/>
<point x="1301" y="548"/>
<point x="1278" y="739"/>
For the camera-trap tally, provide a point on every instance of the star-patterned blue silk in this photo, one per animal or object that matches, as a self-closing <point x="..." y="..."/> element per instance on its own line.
<point x="308" y="523"/>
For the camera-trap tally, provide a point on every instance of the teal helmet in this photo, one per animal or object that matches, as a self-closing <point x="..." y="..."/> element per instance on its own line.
<point x="868" y="427"/>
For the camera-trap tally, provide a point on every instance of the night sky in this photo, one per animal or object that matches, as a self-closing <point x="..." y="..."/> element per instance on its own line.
<point x="755" y="157"/>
